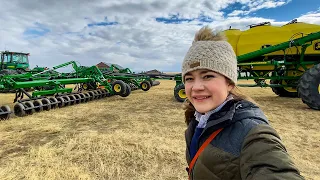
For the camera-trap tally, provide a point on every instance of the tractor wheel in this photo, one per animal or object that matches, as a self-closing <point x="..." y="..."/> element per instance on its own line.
<point x="30" y="105"/>
<point x="179" y="93"/>
<point x="19" y="110"/>
<point x="280" y="91"/>
<point x="309" y="87"/>
<point x="145" y="85"/>
<point x="5" y="112"/>
<point x="119" y="87"/>
<point x="128" y="91"/>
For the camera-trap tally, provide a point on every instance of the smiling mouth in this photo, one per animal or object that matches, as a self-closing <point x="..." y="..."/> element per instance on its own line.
<point x="201" y="98"/>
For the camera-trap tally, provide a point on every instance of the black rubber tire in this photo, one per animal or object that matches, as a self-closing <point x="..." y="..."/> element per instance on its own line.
<point x="280" y="91"/>
<point x="178" y="89"/>
<point x="128" y="91"/>
<point x="19" y="110"/>
<point x="145" y="85"/>
<point x="119" y="87"/>
<point x="308" y="87"/>
<point x="5" y="115"/>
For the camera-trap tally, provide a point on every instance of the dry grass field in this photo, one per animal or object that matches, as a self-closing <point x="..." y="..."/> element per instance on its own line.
<point x="138" y="137"/>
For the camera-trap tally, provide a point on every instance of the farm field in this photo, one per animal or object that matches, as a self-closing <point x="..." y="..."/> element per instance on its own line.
<point x="137" y="137"/>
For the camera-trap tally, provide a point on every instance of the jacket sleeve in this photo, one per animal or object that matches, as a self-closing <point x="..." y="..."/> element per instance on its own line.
<point x="263" y="156"/>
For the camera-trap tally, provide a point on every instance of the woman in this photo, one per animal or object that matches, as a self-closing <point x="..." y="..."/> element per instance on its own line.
<point x="228" y="136"/>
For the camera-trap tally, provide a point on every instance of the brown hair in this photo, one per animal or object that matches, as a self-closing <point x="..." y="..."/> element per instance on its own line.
<point x="235" y="92"/>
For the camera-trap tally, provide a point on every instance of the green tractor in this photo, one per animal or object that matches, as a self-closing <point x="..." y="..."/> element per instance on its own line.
<point x="16" y="63"/>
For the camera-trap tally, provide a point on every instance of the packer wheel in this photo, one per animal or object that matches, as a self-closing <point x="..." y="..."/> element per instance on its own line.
<point x="38" y="106"/>
<point x="77" y="98"/>
<point x="82" y="98"/>
<point x="19" y="110"/>
<point x="46" y="104"/>
<point x="54" y="102"/>
<point x="67" y="101"/>
<point x="29" y="105"/>
<point x="61" y="102"/>
<point x="5" y="112"/>
<point x="72" y="99"/>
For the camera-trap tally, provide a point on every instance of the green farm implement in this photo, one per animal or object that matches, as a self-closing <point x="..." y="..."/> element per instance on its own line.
<point x="291" y="68"/>
<point x="57" y="95"/>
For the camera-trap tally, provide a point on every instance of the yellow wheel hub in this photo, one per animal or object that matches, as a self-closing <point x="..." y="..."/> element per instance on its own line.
<point x="319" y="88"/>
<point x="85" y="86"/>
<point x="289" y="89"/>
<point x="182" y="93"/>
<point x="144" y="86"/>
<point x="117" y="88"/>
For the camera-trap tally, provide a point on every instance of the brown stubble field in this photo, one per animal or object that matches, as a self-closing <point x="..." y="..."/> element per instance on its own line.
<point x="138" y="137"/>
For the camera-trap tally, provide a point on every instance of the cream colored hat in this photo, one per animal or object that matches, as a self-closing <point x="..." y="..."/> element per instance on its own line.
<point x="212" y="52"/>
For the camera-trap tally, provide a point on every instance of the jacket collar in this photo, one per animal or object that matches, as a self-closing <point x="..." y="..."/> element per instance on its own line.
<point x="233" y="111"/>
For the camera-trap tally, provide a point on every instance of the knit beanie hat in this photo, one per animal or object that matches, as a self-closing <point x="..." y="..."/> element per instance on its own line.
<point x="212" y="52"/>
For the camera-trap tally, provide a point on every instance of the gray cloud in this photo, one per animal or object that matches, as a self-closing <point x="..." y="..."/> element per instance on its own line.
<point x="138" y="41"/>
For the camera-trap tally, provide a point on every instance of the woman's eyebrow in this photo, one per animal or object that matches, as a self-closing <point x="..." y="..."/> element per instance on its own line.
<point x="205" y="71"/>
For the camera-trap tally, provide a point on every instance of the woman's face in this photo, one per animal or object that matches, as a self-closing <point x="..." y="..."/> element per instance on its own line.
<point x="206" y="89"/>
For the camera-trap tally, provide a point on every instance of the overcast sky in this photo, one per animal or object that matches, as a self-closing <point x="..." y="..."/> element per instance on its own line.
<point x="140" y="35"/>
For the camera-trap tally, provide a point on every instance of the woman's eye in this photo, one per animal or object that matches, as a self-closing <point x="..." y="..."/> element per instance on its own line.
<point x="188" y="79"/>
<point x="208" y="76"/>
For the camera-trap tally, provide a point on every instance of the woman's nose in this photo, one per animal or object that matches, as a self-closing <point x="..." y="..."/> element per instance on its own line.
<point x="197" y="85"/>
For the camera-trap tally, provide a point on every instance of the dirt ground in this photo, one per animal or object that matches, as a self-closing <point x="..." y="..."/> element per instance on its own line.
<point x="137" y="137"/>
